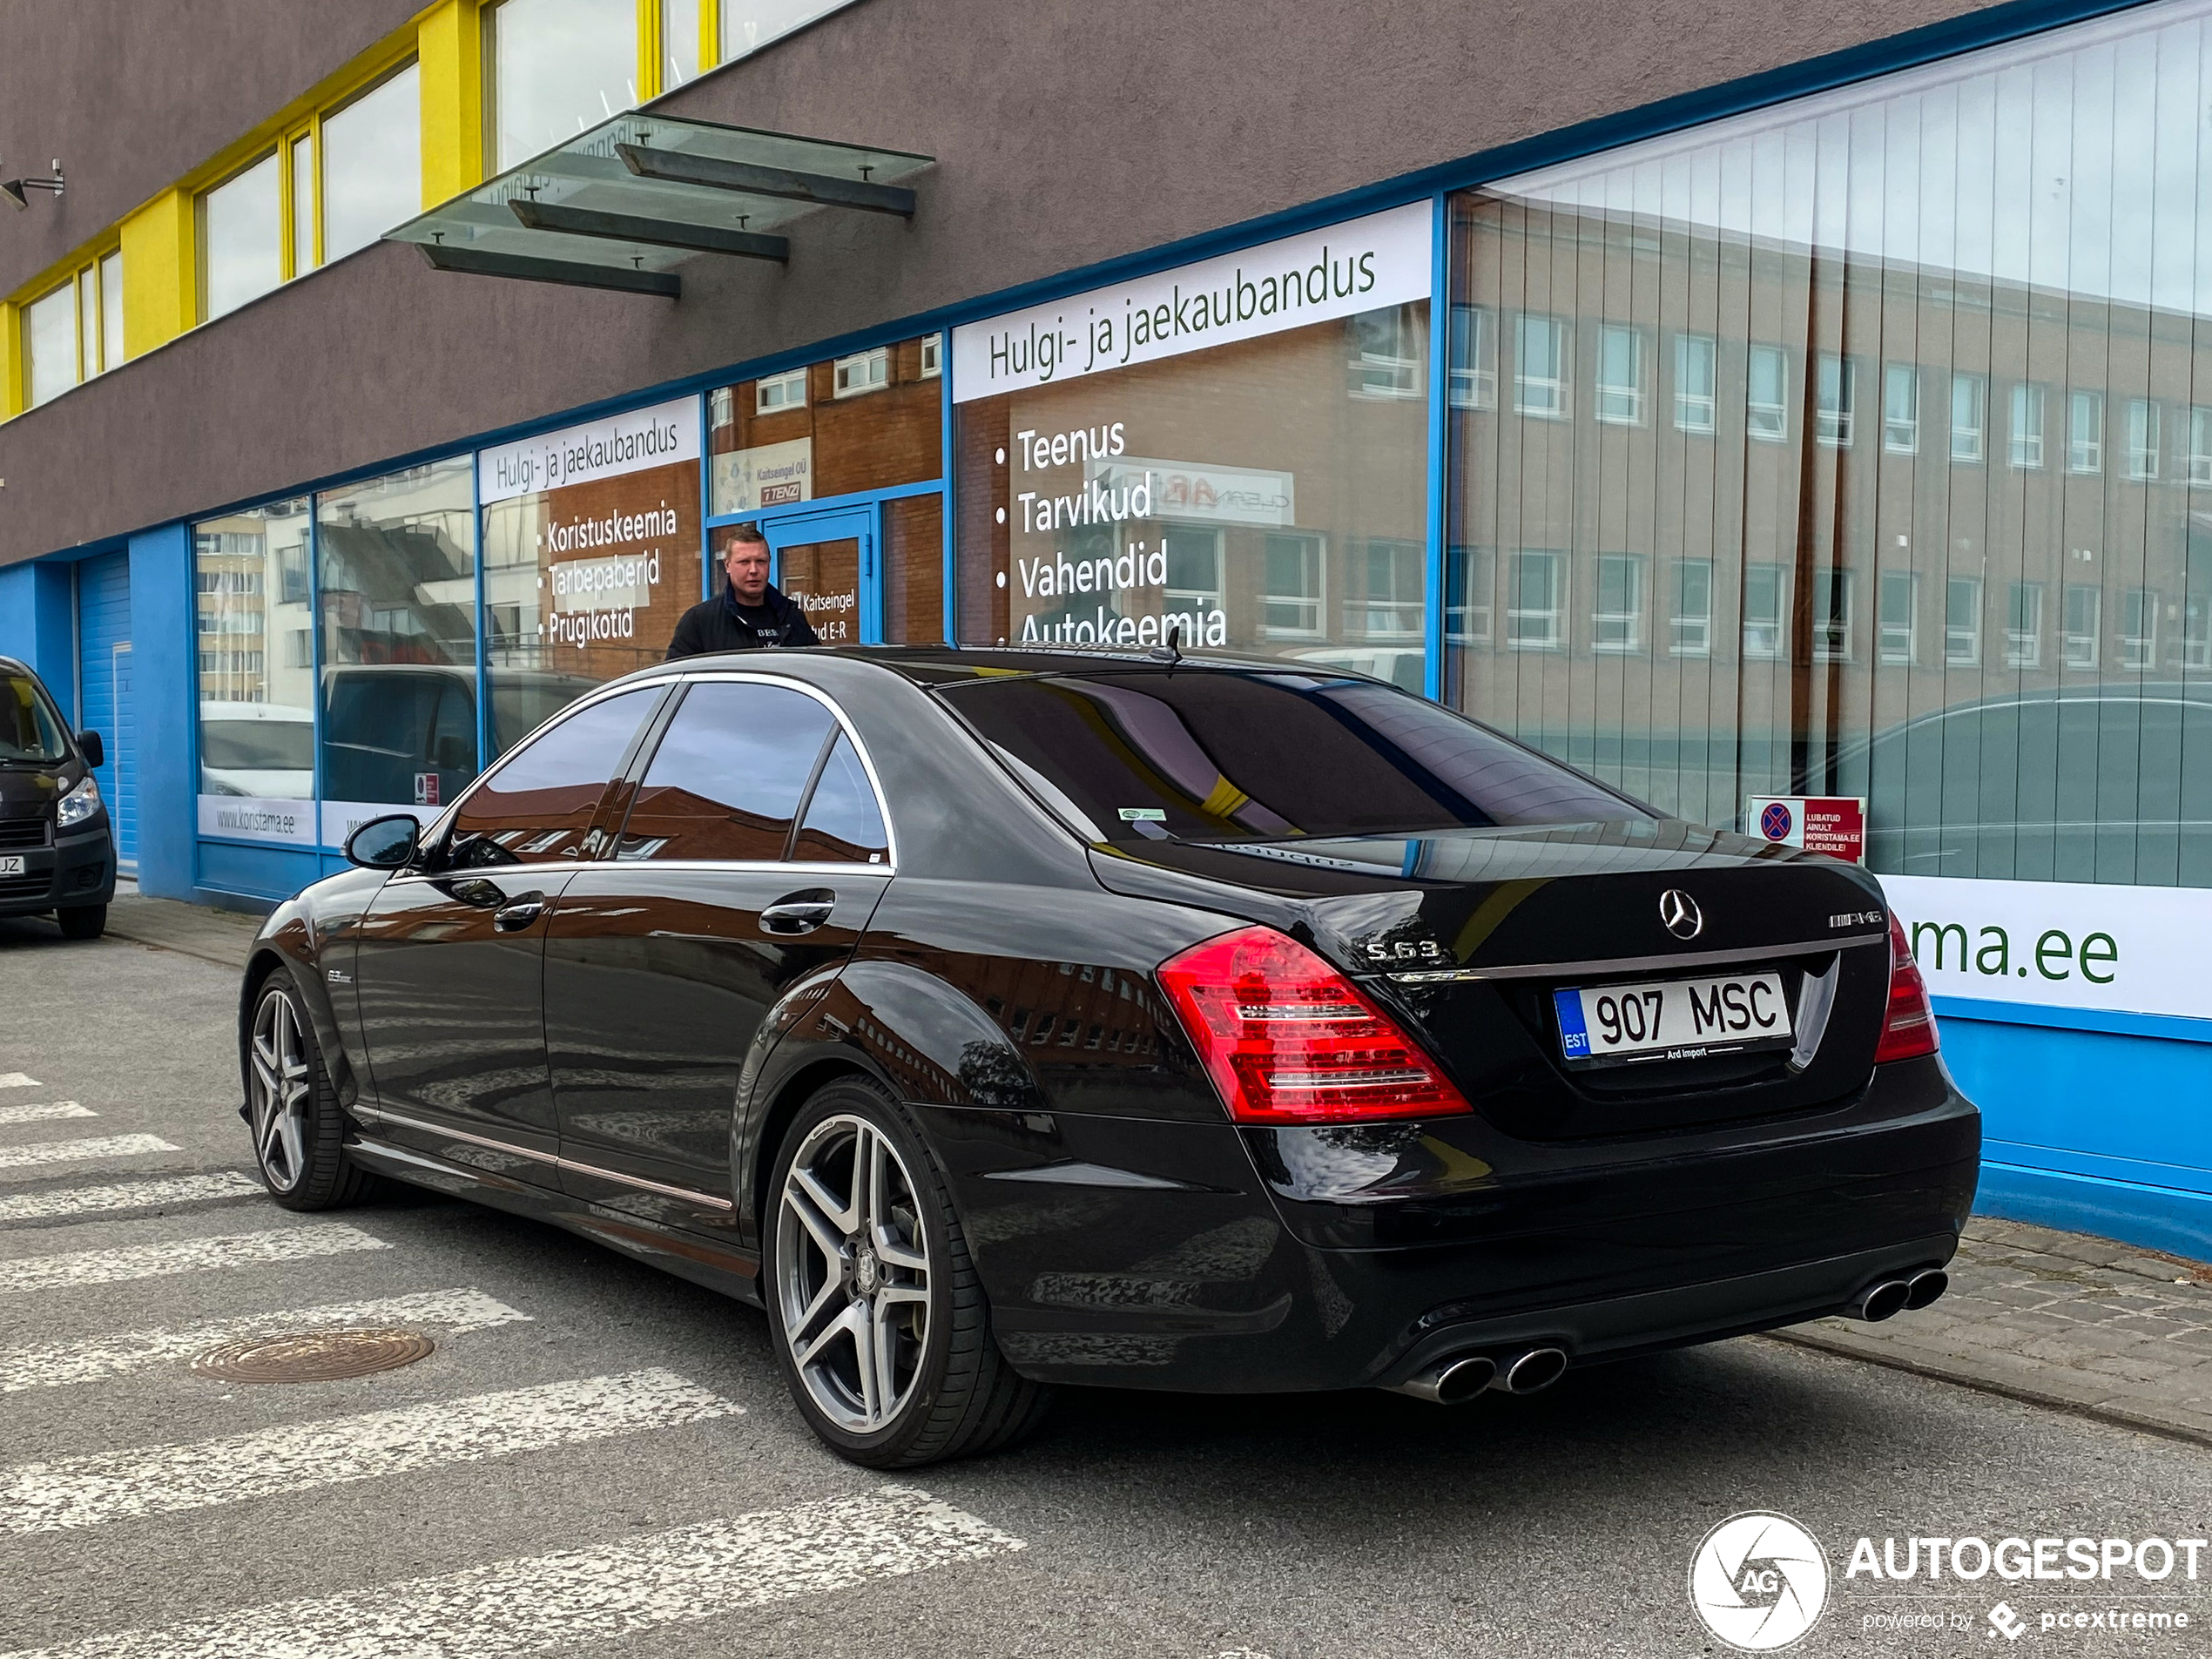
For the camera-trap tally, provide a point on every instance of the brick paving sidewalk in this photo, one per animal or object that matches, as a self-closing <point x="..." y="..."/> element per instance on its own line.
<point x="2062" y="1320"/>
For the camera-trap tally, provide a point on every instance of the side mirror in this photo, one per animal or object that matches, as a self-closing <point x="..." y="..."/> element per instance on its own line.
<point x="95" y="750"/>
<point x="385" y="843"/>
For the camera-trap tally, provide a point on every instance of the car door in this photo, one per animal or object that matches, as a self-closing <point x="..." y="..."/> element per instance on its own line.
<point x="450" y="960"/>
<point x="753" y="852"/>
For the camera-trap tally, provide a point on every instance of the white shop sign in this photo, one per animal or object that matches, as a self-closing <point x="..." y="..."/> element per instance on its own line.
<point x="2061" y="944"/>
<point x="768" y="475"/>
<point x="632" y="442"/>
<point x="290" y="823"/>
<point x="1339" y="271"/>
<point x="1204" y="494"/>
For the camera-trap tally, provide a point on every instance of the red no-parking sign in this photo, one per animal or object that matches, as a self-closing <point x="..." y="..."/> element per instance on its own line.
<point x="1835" y="825"/>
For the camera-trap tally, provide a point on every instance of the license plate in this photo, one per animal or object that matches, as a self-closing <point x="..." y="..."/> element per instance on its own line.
<point x="11" y="864"/>
<point x="1678" y="1019"/>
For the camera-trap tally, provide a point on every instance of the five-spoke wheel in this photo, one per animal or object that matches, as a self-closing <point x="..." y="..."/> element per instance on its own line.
<point x="299" y="1133"/>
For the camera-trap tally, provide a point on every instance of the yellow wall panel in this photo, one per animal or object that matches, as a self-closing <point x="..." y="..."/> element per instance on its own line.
<point x="11" y="391"/>
<point x="160" y="272"/>
<point x="450" y="47"/>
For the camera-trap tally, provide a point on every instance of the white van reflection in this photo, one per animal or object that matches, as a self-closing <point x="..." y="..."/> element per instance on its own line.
<point x="262" y="750"/>
<point x="389" y="727"/>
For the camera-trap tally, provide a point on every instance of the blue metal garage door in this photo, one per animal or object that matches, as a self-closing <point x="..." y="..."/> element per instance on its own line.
<point x="104" y="674"/>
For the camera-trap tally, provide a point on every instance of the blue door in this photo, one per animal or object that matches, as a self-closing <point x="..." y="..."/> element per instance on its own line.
<point x="104" y="683"/>
<point x="827" y="563"/>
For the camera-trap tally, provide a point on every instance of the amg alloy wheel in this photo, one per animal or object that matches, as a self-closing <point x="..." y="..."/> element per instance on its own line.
<point x="292" y="1109"/>
<point x="881" y="1325"/>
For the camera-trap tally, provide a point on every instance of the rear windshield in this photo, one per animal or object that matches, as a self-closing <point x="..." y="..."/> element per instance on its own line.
<point x="1216" y="756"/>
<point x="29" y="729"/>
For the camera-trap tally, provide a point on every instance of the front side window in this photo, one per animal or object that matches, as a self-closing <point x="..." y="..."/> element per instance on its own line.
<point x="556" y="68"/>
<point x="241" y="247"/>
<point x="371" y="164"/>
<point x="538" y="806"/>
<point x="1231" y="758"/>
<point x="30" y="729"/>
<point x="725" y="782"/>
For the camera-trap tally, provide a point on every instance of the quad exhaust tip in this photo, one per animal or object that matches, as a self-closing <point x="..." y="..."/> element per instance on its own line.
<point x="1450" y="1381"/>
<point x="1891" y="1297"/>
<point x="1539" y="1368"/>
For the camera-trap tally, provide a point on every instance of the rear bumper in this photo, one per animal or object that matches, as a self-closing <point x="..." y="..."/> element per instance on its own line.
<point x="76" y="870"/>
<point x="1361" y="1255"/>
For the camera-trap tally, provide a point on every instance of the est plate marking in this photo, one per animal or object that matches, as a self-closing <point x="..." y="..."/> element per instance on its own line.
<point x="1677" y="1019"/>
<point x="11" y="864"/>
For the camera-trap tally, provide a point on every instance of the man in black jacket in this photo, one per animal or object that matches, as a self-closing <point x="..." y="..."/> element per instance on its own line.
<point x="749" y="614"/>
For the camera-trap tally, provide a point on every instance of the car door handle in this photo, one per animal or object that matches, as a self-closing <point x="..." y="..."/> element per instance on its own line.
<point x="513" y="917"/>
<point x="799" y="913"/>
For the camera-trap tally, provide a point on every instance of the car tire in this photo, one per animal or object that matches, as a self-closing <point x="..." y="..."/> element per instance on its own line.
<point x="885" y="1276"/>
<point x="83" y="922"/>
<point x="291" y="1109"/>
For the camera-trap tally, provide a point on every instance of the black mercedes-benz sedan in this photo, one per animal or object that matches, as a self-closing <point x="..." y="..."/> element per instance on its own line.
<point x="999" y="1019"/>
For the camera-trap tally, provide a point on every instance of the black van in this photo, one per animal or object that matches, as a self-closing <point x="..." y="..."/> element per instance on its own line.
<point x="56" y="846"/>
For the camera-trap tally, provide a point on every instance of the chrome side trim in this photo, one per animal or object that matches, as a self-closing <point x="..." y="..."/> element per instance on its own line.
<point x="378" y="1114"/>
<point x="1635" y="964"/>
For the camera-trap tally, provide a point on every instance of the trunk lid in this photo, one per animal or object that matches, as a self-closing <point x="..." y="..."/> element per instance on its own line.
<point x="1467" y="936"/>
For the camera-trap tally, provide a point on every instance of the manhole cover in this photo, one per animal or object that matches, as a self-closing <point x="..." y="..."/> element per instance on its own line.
<point x="312" y="1356"/>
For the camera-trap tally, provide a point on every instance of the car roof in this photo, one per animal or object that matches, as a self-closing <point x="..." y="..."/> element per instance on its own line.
<point x="942" y="665"/>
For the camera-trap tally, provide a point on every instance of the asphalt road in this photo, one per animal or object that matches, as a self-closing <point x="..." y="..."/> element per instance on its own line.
<point x="599" y="1459"/>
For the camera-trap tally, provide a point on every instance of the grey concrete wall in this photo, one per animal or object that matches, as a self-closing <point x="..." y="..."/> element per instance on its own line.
<point x="1066" y="133"/>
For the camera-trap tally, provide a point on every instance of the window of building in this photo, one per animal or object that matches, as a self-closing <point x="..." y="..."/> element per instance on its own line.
<point x="867" y="371"/>
<point x="2024" y="432"/>
<point x="1766" y="616"/>
<point x="1962" y="621"/>
<point x="1470" y="573"/>
<point x="110" y="282"/>
<point x="1292" y="602"/>
<point x="1766" y="409"/>
<point x="299" y="164"/>
<point x="1696" y="382"/>
<point x="2142" y="438"/>
<point x="774" y="393"/>
<point x="1391" y="608"/>
<point x="1901" y="408"/>
<point x="1901" y="618"/>
<point x="556" y="67"/>
<point x="1620" y="374"/>
<point x="50" y="340"/>
<point x="2200" y="466"/>
<point x="1969" y="401"/>
<point x="932" y="356"/>
<point x="1692" y="621"/>
<point x="1832" y="592"/>
<point x="256" y="699"/>
<point x="2024" y="625"/>
<point x="1385" y="355"/>
<point x="2138" y="631"/>
<point x="1540" y="367"/>
<point x="1194" y="571"/>
<point x="1475" y="358"/>
<point x="242" y="245"/>
<point x="2084" y="609"/>
<point x="1616" y="620"/>
<point x="372" y="163"/>
<point x="2085" y="432"/>
<point x="679" y="43"/>
<point x="1835" y="399"/>
<point x="1536" y="605"/>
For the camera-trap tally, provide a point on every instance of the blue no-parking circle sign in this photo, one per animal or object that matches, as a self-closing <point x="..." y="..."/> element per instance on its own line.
<point x="1774" y="823"/>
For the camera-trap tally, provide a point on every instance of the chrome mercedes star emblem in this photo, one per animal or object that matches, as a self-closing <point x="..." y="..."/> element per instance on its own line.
<point x="1679" y="912"/>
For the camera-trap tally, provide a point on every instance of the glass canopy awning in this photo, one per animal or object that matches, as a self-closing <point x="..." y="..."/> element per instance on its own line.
<point x="619" y="206"/>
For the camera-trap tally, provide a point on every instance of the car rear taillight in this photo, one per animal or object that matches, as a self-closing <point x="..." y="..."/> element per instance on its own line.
<point x="1908" y="1026"/>
<point x="1287" y="1039"/>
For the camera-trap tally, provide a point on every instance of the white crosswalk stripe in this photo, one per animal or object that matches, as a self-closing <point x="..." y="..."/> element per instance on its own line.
<point x="186" y="1256"/>
<point x="43" y="1112"/>
<point x="129" y="1195"/>
<point x="16" y="1080"/>
<point x="100" y="1146"/>
<point x="590" y="1596"/>
<point x="160" y="1479"/>
<point x="101" y="1359"/>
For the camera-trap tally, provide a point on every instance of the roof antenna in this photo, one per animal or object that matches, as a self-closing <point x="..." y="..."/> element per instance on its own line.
<point x="1172" y="652"/>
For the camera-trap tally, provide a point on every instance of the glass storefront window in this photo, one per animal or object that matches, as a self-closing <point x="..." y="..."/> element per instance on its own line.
<point x="253" y="630"/>
<point x="241" y="243"/>
<point x="556" y="68"/>
<point x="1996" y="623"/>
<point x="1233" y="455"/>
<point x="591" y="553"/>
<point x="867" y="421"/>
<point x="397" y="558"/>
<point x="371" y="164"/>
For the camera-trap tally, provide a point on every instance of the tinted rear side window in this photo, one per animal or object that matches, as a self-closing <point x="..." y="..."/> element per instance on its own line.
<point x="726" y="779"/>
<point x="1207" y="755"/>
<point x="843" y="822"/>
